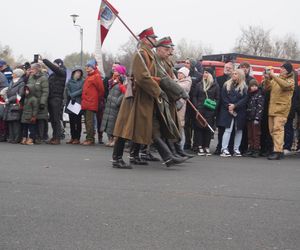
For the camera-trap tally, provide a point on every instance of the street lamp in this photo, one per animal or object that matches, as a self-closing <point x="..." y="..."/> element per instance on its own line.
<point x="74" y="17"/>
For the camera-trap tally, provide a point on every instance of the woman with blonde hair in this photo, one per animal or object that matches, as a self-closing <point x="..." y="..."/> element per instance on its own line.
<point x="233" y="111"/>
<point x="206" y="99"/>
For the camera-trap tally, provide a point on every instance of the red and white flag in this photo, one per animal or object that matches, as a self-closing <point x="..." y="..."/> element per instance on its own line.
<point x="18" y="98"/>
<point x="106" y="17"/>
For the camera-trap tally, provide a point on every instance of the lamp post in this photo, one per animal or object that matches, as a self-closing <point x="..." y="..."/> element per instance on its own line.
<point x="74" y="17"/>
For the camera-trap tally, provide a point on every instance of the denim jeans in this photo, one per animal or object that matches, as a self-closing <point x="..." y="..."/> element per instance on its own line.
<point x="237" y="137"/>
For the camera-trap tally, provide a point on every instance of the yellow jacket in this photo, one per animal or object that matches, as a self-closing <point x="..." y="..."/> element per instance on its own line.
<point x="282" y="89"/>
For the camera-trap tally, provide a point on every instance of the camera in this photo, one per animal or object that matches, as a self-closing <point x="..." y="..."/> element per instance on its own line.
<point x="267" y="70"/>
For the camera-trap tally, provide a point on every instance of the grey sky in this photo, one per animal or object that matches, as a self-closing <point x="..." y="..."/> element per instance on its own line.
<point x="33" y="26"/>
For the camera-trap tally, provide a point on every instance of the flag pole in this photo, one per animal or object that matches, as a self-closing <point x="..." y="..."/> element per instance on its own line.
<point x="121" y="20"/>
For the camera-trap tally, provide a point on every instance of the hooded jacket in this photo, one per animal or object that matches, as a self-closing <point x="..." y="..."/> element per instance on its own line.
<point x="74" y="89"/>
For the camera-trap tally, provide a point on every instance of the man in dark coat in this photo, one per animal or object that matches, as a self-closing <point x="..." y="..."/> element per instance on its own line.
<point x="190" y="113"/>
<point x="246" y="67"/>
<point x="228" y="69"/>
<point x="57" y="82"/>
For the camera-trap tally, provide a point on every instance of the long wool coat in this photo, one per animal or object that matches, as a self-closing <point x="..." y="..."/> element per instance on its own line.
<point x="135" y="117"/>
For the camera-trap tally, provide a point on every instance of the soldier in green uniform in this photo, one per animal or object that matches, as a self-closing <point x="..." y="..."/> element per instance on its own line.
<point x="164" y="51"/>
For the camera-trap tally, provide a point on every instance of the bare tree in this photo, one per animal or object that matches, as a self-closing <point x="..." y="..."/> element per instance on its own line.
<point x="126" y="52"/>
<point x="73" y="60"/>
<point x="6" y="54"/>
<point x="254" y="40"/>
<point x="185" y="49"/>
<point x="287" y="48"/>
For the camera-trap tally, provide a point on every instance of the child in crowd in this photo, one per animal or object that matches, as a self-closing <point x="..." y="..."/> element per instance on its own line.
<point x="255" y="107"/>
<point x="28" y="120"/>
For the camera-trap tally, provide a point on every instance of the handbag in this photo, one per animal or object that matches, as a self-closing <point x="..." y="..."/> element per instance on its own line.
<point x="209" y="103"/>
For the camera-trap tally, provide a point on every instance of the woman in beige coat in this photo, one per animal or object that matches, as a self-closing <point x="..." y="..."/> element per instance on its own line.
<point x="185" y="81"/>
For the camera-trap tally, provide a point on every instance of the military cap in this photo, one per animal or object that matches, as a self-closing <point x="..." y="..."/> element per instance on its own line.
<point x="147" y="33"/>
<point x="165" y="42"/>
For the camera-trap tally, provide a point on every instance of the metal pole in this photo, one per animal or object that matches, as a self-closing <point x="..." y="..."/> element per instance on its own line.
<point x="81" y="51"/>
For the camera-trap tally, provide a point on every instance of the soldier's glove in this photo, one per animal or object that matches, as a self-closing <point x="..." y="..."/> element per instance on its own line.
<point x="42" y="106"/>
<point x="73" y="101"/>
<point x="179" y="105"/>
<point x="256" y="122"/>
<point x="184" y="95"/>
<point x="33" y="120"/>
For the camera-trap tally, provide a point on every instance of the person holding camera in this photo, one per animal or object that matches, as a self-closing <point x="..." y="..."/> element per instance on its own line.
<point x="281" y="91"/>
<point x="57" y="81"/>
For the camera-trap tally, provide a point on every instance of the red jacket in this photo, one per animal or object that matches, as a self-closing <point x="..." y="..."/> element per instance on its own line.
<point x="92" y="91"/>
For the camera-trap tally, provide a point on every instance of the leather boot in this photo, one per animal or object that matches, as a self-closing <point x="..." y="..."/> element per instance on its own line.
<point x="55" y="142"/>
<point x="135" y="155"/>
<point x="275" y="156"/>
<point x="181" y="152"/>
<point x="146" y="154"/>
<point x="173" y="150"/>
<point x="117" y="161"/>
<point x="166" y="154"/>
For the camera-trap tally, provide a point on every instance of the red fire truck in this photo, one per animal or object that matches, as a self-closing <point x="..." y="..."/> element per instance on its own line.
<point x="258" y="63"/>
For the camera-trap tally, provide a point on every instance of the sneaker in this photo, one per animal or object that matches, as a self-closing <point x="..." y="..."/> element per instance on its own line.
<point x="237" y="153"/>
<point x="201" y="151"/>
<point x="207" y="152"/>
<point x="287" y="152"/>
<point x="225" y="153"/>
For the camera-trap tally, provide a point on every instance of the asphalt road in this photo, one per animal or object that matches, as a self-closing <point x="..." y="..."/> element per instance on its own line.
<point x="69" y="197"/>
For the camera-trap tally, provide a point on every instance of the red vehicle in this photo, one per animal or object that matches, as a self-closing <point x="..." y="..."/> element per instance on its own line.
<point x="258" y="63"/>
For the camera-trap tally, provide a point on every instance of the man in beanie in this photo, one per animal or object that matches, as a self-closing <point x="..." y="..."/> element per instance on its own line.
<point x="57" y="80"/>
<point x="255" y="108"/>
<point x="6" y="70"/>
<point x="39" y="85"/>
<point x="282" y="88"/>
<point x="92" y="92"/>
<point x="246" y="67"/>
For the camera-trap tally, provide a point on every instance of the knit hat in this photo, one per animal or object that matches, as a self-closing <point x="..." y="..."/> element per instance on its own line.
<point x="18" y="72"/>
<point x="209" y="70"/>
<point x="91" y="63"/>
<point x="253" y="82"/>
<point x="185" y="71"/>
<point x="59" y="62"/>
<point x="288" y="66"/>
<point x="2" y="63"/>
<point x="120" y="69"/>
<point x="26" y="65"/>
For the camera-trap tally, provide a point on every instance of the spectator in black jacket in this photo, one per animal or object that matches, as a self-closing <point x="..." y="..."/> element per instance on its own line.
<point x="246" y="67"/>
<point x="228" y="69"/>
<point x="190" y="114"/>
<point x="288" y="128"/>
<point x="57" y="80"/>
<point x="255" y="108"/>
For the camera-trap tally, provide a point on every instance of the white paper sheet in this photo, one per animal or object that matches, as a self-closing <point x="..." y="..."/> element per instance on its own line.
<point x="74" y="108"/>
